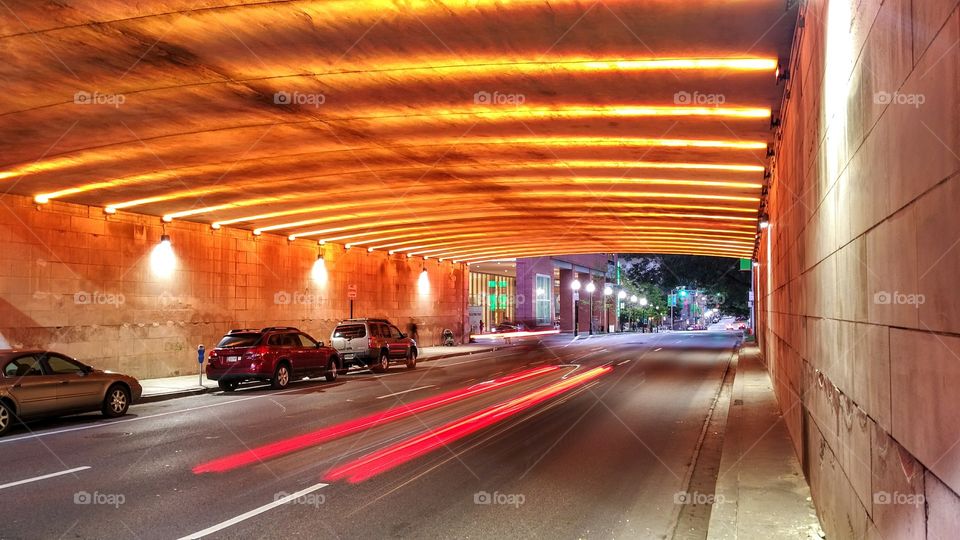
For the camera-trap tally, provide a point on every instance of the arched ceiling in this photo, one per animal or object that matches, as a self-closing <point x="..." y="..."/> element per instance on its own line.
<point x="464" y="131"/>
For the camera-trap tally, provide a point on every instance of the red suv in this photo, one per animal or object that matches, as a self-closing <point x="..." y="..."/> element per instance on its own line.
<point x="277" y="354"/>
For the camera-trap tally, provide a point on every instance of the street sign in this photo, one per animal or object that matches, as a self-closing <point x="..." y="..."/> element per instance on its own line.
<point x="352" y="295"/>
<point x="672" y="300"/>
<point x="746" y="265"/>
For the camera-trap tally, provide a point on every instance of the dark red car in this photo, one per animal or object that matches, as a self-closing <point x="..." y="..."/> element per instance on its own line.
<point x="277" y="354"/>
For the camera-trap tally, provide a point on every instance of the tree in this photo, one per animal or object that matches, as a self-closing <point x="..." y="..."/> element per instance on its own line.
<point x="718" y="276"/>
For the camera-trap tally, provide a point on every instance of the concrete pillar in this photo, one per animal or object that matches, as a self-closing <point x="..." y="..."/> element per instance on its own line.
<point x="566" y="300"/>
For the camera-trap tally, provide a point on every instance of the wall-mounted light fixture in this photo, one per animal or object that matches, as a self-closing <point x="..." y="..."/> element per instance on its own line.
<point x="319" y="271"/>
<point x="783" y="73"/>
<point x="423" y="282"/>
<point x="163" y="261"/>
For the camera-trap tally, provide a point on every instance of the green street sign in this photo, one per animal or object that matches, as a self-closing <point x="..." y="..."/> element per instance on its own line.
<point x="672" y="300"/>
<point x="746" y="265"/>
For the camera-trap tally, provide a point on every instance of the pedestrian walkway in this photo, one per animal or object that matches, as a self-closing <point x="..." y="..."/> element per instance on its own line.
<point x="761" y="491"/>
<point x="185" y="385"/>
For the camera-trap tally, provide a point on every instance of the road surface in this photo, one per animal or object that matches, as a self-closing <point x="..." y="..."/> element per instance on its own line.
<point x="552" y="439"/>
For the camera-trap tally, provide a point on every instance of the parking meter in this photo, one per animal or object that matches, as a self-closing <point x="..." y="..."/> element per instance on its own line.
<point x="200" y="352"/>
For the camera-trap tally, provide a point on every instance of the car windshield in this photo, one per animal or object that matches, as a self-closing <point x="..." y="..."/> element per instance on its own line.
<point x="231" y="341"/>
<point x="350" y="331"/>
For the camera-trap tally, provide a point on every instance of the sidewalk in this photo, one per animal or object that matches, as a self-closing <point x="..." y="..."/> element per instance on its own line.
<point x="185" y="385"/>
<point x="761" y="491"/>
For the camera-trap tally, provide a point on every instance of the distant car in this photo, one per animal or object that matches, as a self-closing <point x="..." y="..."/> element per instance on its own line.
<point x="507" y="327"/>
<point x="276" y="354"/>
<point x="38" y="383"/>
<point x="373" y="343"/>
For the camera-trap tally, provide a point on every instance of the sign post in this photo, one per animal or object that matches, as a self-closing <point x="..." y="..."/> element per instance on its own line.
<point x="352" y="295"/>
<point x="200" y="354"/>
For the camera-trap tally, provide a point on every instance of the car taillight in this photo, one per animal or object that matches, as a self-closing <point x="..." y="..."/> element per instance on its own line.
<point x="371" y="343"/>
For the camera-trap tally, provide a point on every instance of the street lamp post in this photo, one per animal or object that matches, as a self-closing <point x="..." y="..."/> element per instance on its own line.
<point x="621" y="296"/>
<point x="575" y="286"/>
<point x="643" y="311"/>
<point x="607" y="291"/>
<point x="633" y="326"/>
<point x="590" y="288"/>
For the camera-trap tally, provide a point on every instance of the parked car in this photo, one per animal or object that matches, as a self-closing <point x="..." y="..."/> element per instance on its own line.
<point x="276" y="354"/>
<point x="38" y="383"/>
<point x="507" y="326"/>
<point x="373" y="343"/>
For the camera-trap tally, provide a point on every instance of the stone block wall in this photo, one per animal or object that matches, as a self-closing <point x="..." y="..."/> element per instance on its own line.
<point x="858" y="283"/>
<point x="75" y="280"/>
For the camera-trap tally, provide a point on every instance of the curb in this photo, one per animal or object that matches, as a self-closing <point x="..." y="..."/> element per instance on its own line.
<point x="166" y="396"/>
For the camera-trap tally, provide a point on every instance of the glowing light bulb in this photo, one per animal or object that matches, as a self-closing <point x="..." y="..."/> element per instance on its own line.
<point x="163" y="261"/>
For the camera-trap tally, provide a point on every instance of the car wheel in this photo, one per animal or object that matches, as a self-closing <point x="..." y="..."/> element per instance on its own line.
<point x="412" y="358"/>
<point x="383" y="363"/>
<point x="281" y="377"/>
<point x="332" y="370"/>
<point x="6" y="418"/>
<point x="116" y="402"/>
<point x="227" y="386"/>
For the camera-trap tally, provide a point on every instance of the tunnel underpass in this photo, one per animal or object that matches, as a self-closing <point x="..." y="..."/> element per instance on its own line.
<point x="173" y="170"/>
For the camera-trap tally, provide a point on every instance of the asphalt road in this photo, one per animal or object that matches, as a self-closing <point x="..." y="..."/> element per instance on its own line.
<point x="595" y="444"/>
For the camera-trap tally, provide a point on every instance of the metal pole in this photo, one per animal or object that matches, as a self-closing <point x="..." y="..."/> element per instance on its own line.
<point x="591" y="315"/>
<point x="351" y="308"/>
<point x="576" y="317"/>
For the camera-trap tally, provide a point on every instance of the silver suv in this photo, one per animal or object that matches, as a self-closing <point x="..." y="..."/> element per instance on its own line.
<point x="373" y="343"/>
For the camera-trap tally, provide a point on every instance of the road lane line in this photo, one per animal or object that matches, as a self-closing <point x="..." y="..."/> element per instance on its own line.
<point x="658" y="349"/>
<point x="408" y="391"/>
<point x="40" y="434"/>
<point x="255" y="512"/>
<point x="44" y="477"/>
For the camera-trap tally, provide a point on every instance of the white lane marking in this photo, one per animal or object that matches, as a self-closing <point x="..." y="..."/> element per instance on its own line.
<point x="137" y="418"/>
<point x="190" y="409"/>
<point x="625" y="361"/>
<point x="255" y="512"/>
<point x="44" y="477"/>
<point x="658" y="349"/>
<point x="408" y="391"/>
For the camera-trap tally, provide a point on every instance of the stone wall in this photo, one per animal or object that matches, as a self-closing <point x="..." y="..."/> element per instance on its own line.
<point x="77" y="281"/>
<point x="858" y="302"/>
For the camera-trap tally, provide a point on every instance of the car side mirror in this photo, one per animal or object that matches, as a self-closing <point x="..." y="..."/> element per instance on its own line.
<point x="86" y="370"/>
<point x="319" y="344"/>
<point x="402" y="335"/>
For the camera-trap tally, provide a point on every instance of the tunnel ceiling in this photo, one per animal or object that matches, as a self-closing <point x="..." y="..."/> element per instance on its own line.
<point x="464" y="131"/>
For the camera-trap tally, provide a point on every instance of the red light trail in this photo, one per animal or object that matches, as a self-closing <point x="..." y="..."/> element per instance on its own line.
<point x="397" y="454"/>
<point x="307" y="440"/>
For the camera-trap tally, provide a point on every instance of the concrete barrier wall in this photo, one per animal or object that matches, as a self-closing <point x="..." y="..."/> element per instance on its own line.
<point x="858" y="284"/>
<point x="80" y="282"/>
